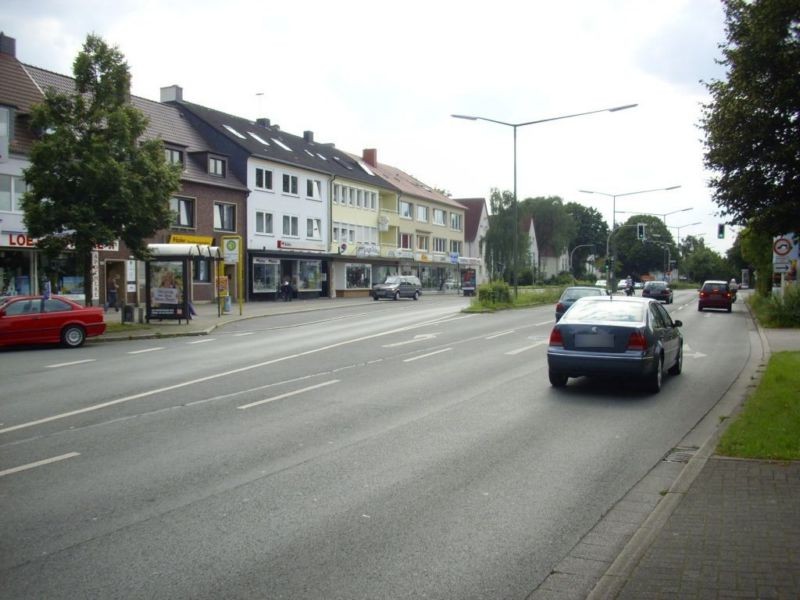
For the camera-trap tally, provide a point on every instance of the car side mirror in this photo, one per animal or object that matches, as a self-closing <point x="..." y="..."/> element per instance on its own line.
<point x="677" y="323"/>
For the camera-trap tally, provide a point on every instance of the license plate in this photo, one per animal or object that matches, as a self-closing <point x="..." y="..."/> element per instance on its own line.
<point x="594" y="340"/>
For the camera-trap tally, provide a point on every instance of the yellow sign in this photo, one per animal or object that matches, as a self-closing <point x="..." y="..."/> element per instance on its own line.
<point x="180" y="238"/>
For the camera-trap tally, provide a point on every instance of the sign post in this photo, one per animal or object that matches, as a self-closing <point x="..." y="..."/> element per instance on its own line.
<point x="232" y="254"/>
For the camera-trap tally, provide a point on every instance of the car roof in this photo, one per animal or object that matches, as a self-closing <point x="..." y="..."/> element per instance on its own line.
<point x="714" y="281"/>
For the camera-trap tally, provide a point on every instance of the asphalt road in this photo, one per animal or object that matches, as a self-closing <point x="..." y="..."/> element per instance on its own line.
<point x="390" y="450"/>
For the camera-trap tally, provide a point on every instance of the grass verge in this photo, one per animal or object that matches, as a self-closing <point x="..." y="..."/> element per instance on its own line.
<point x="769" y="425"/>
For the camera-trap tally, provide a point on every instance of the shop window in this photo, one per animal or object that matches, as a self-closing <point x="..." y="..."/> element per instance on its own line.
<point x="358" y="275"/>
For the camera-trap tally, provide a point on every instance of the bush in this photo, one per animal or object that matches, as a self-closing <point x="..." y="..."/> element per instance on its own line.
<point x="774" y="311"/>
<point x="494" y="293"/>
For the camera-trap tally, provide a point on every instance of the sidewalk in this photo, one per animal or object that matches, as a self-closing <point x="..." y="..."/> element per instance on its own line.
<point x="727" y="528"/>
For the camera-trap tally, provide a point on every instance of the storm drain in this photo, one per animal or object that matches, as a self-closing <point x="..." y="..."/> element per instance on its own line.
<point x="680" y="454"/>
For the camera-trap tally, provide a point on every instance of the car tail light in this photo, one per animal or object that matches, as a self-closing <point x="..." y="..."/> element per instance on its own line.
<point x="636" y="341"/>
<point x="560" y="307"/>
<point x="555" y="337"/>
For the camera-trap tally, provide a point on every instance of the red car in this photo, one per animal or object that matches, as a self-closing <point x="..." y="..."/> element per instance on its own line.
<point x="35" y="320"/>
<point x="715" y="294"/>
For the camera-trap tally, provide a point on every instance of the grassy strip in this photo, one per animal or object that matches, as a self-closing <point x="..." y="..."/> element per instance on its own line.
<point x="528" y="296"/>
<point x="769" y="424"/>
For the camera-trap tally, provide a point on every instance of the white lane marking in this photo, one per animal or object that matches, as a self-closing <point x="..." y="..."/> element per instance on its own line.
<point x="288" y="394"/>
<point x="687" y="351"/>
<point x="244" y="334"/>
<point x="183" y="384"/>
<point x="146" y="350"/>
<point x="413" y="358"/>
<point x="518" y="350"/>
<point x="69" y="364"/>
<point x="417" y="338"/>
<point x="203" y="341"/>
<point x="497" y="335"/>
<point x="548" y="322"/>
<point x="39" y="463"/>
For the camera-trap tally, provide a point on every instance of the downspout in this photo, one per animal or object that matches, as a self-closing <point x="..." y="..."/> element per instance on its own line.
<point x="331" y="286"/>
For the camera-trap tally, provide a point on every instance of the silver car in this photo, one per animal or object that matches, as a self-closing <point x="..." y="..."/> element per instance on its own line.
<point x="617" y="337"/>
<point x="398" y="286"/>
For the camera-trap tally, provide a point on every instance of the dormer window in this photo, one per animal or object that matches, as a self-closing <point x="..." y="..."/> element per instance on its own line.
<point x="216" y="167"/>
<point x="174" y="157"/>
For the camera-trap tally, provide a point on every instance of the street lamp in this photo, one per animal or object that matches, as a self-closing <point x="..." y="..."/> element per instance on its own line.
<point x="515" y="126"/>
<point x="614" y="211"/>
<point x="679" y="227"/>
<point x="615" y="196"/>
<point x="573" y="252"/>
<point x="662" y="215"/>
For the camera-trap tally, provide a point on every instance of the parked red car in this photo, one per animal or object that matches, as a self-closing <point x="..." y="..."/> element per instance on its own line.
<point x="35" y="320"/>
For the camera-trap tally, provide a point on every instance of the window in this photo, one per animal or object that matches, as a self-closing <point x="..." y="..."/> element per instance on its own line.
<point x="290" y="226"/>
<point x="314" y="229"/>
<point x="406" y="210"/>
<point x="455" y="246"/>
<point x="423" y="242"/>
<point x="182" y="211"/>
<point x="202" y="270"/>
<point x="263" y="222"/>
<point x="455" y="221"/>
<point x="263" y="179"/>
<point x="439" y="217"/>
<point x="174" y="157"/>
<point x="373" y="200"/>
<point x="440" y="245"/>
<point x="422" y="213"/>
<point x="216" y="167"/>
<point x="224" y="216"/>
<point x="337" y="193"/>
<point x="406" y="239"/>
<point x="314" y="188"/>
<point x="289" y="184"/>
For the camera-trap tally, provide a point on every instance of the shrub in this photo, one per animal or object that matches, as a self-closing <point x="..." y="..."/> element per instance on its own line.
<point x="494" y="293"/>
<point x="775" y="311"/>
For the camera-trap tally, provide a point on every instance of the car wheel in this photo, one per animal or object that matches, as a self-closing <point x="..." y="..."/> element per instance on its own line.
<point x="416" y="295"/>
<point x="700" y="308"/>
<point x="678" y="366"/>
<point x="655" y="379"/>
<point x="557" y="379"/>
<point x="397" y="295"/>
<point x="375" y="298"/>
<point x="73" y="336"/>
<point x="730" y="307"/>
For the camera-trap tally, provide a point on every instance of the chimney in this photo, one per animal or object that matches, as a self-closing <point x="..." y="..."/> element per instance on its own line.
<point x="173" y="93"/>
<point x="370" y="156"/>
<point x="263" y="122"/>
<point x="8" y="45"/>
<point x="308" y="136"/>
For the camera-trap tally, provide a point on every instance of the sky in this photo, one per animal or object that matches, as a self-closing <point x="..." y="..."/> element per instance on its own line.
<point x="389" y="75"/>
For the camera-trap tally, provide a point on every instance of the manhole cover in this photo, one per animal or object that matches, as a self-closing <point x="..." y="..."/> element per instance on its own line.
<point x="680" y="455"/>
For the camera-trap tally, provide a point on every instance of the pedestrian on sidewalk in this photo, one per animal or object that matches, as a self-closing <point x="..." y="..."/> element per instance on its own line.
<point x="112" y="289"/>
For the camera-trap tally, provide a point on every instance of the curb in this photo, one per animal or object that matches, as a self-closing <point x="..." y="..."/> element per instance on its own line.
<point x="616" y="576"/>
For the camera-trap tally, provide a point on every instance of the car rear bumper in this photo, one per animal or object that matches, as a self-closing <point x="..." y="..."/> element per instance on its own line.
<point x="599" y="364"/>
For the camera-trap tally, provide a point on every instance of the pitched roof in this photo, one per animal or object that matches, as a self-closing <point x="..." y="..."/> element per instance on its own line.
<point x="405" y="183"/>
<point x="18" y="89"/>
<point x="165" y="122"/>
<point x="472" y="219"/>
<point x="269" y="142"/>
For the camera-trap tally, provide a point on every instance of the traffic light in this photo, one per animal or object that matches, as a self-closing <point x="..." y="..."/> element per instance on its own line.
<point x="721" y="230"/>
<point x="640" y="231"/>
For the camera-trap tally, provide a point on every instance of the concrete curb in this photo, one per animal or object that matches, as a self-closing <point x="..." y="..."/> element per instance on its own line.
<point x="616" y="576"/>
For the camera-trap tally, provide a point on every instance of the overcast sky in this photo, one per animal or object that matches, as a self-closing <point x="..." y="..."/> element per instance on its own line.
<point x="388" y="75"/>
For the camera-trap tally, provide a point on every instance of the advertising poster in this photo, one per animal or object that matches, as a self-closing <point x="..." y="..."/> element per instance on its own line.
<point x="165" y="284"/>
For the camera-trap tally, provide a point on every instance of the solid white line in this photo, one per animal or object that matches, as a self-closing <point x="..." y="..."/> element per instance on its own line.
<point x="497" y="335"/>
<point x="39" y="463"/>
<point x="244" y="334"/>
<point x="518" y="350"/>
<point x="69" y="364"/>
<point x="287" y="394"/>
<point x="203" y="341"/>
<point x="550" y="322"/>
<point x="413" y="358"/>
<point x="146" y="350"/>
<point x="183" y="384"/>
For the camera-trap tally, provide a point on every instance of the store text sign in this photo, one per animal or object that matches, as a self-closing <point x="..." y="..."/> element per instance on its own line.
<point x="23" y="240"/>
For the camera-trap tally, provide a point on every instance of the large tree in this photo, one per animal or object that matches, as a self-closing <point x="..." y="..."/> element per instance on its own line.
<point x="92" y="180"/>
<point x="590" y="228"/>
<point x="752" y="125"/>
<point x="641" y="256"/>
<point x="499" y="241"/>
<point x="553" y="225"/>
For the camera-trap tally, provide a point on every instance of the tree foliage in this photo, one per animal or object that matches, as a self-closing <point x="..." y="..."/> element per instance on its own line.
<point x="92" y="181"/>
<point x="590" y="228"/>
<point x="757" y="250"/>
<point x="752" y="125"/>
<point x="499" y="240"/>
<point x="701" y="262"/>
<point x="554" y="227"/>
<point x="639" y="257"/>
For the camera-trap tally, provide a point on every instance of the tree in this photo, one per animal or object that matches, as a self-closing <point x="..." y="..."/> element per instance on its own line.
<point x="590" y="228"/>
<point x="757" y="250"/>
<point x="637" y="256"/>
<point x="701" y="262"/>
<point x="554" y="227"/>
<point x="92" y="181"/>
<point x="752" y="125"/>
<point x="499" y="240"/>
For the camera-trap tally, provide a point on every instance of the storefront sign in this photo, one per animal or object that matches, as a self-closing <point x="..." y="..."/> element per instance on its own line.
<point x="366" y="250"/>
<point x="180" y="238"/>
<point x="23" y="240"/>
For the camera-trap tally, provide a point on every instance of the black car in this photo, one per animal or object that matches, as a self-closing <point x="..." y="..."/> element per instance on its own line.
<point x="658" y="290"/>
<point x="618" y="337"/>
<point x="571" y="294"/>
<point x="398" y="286"/>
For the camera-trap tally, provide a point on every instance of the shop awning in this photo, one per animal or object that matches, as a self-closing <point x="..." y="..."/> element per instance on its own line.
<point x="185" y="250"/>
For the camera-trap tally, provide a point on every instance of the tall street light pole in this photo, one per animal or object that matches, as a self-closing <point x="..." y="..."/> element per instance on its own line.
<point x="679" y="227"/>
<point x="614" y="210"/>
<point x="662" y="215"/>
<point x="515" y="126"/>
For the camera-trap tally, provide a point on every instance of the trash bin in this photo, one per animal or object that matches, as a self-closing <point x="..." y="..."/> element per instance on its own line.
<point x="227" y="306"/>
<point x="127" y="313"/>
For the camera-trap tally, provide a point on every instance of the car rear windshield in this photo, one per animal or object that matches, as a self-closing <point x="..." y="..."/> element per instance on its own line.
<point x="715" y="287"/>
<point x="574" y="294"/>
<point x="626" y="312"/>
<point x="392" y="280"/>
